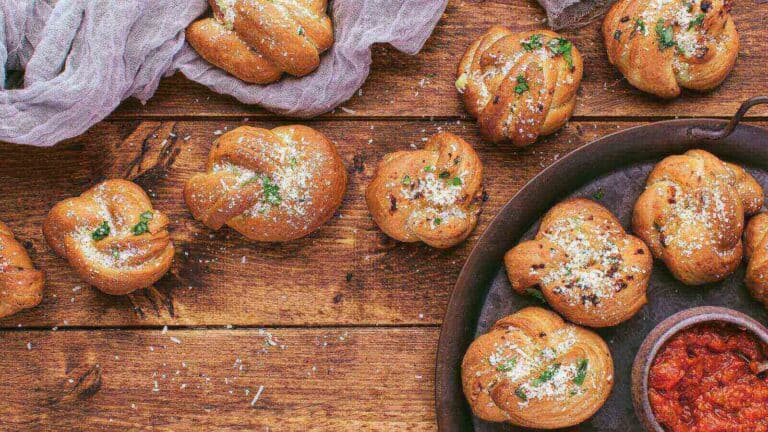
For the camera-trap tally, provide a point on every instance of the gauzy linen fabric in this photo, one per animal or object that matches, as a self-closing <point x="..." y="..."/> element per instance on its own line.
<point x="67" y="64"/>
<point x="573" y="13"/>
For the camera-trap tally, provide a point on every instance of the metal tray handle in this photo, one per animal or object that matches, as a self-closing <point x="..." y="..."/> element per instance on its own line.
<point x="716" y="134"/>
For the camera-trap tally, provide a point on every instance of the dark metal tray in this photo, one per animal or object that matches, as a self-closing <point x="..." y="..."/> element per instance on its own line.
<point x="617" y="166"/>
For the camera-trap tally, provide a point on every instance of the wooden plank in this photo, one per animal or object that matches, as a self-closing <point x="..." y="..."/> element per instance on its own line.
<point x="402" y="85"/>
<point x="312" y="379"/>
<point x="348" y="272"/>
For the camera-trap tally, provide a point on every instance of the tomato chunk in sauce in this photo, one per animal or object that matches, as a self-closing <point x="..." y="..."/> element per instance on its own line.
<point x="705" y="379"/>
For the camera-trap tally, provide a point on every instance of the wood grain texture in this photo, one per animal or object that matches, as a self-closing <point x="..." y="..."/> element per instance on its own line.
<point x="184" y="380"/>
<point x="348" y="272"/>
<point x="423" y="85"/>
<point x="98" y="370"/>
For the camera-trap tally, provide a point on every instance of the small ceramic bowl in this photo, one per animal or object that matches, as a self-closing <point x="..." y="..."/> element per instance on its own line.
<point x="659" y="336"/>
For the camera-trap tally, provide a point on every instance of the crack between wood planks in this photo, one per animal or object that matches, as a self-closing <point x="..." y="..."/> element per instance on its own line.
<point x="451" y="118"/>
<point x="234" y="327"/>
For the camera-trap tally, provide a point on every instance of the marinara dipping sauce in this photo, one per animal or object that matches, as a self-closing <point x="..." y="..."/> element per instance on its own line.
<point x="705" y="379"/>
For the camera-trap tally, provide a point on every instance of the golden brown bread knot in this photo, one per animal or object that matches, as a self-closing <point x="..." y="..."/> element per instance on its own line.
<point x="258" y="40"/>
<point x="432" y="195"/>
<point x="691" y="214"/>
<point x="587" y="267"/>
<point x="532" y="369"/>
<point x="662" y="45"/>
<point x="273" y="185"/>
<point x="21" y="286"/>
<point x="112" y="237"/>
<point x="520" y="86"/>
<point x="756" y="251"/>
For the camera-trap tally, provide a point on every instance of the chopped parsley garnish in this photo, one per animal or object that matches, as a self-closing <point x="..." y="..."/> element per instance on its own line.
<point x="253" y="179"/>
<point x="564" y="47"/>
<point x="407" y="180"/>
<point x="581" y="371"/>
<point x="444" y="174"/>
<point x="116" y="253"/>
<point x="101" y="232"/>
<point x="271" y="191"/>
<point x="461" y="83"/>
<point x="522" y="84"/>
<point x="600" y="194"/>
<point x="546" y="375"/>
<point x="617" y="35"/>
<point x="429" y="168"/>
<point x="533" y="43"/>
<point x="533" y="292"/>
<point x="143" y="225"/>
<point x="301" y="31"/>
<point x="507" y="365"/>
<point x="697" y="22"/>
<point x="521" y="394"/>
<point x="437" y="221"/>
<point x="293" y="161"/>
<point x="640" y="25"/>
<point x="665" y="34"/>
<point x="456" y="181"/>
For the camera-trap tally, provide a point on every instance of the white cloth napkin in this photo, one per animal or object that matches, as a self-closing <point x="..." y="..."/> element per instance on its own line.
<point x="81" y="58"/>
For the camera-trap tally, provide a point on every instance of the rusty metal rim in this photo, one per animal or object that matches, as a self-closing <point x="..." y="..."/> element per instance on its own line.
<point x="730" y="140"/>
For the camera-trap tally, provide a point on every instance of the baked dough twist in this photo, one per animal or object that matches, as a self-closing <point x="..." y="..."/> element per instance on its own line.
<point x="534" y="370"/>
<point x="112" y="237"/>
<point x="663" y="45"/>
<point x="21" y="286"/>
<point x="274" y="186"/>
<point x="586" y="266"/>
<point x="432" y="195"/>
<point x="756" y="251"/>
<point x="691" y="214"/>
<point x="520" y="86"/>
<point x="258" y="40"/>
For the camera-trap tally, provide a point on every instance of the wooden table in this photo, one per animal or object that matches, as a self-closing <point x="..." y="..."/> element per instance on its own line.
<point x="336" y="331"/>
